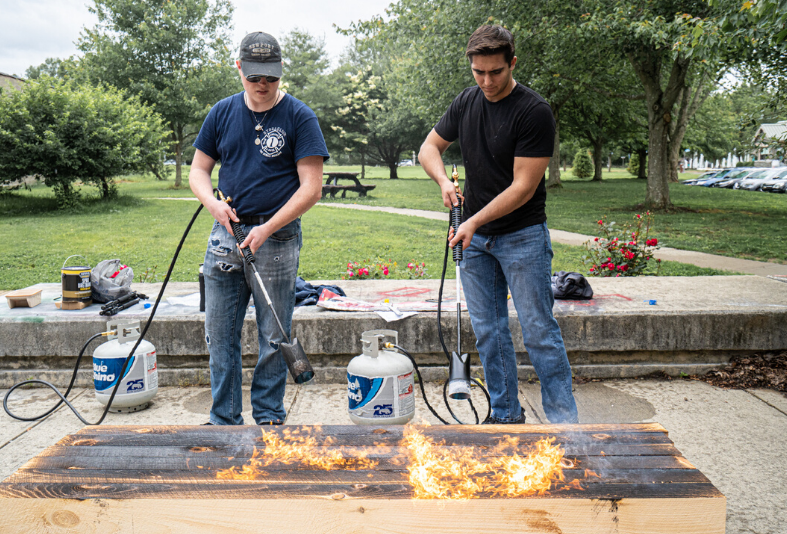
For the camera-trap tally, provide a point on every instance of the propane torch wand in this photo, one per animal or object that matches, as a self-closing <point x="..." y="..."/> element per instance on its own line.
<point x="294" y="355"/>
<point x="459" y="368"/>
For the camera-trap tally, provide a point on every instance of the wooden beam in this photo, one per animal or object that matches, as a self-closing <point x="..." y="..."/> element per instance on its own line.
<point x="164" y="479"/>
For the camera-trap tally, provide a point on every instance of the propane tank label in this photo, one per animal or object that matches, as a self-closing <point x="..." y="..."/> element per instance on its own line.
<point x="151" y="365"/>
<point x="406" y="396"/>
<point x="380" y="397"/>
<point x="138" y="376"/>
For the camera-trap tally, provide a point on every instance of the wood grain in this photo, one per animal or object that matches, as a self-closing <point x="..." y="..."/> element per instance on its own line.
<point x="119" y="479"/>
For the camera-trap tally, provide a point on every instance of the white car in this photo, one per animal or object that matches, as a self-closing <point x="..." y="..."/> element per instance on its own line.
<point x="754" y="181"/>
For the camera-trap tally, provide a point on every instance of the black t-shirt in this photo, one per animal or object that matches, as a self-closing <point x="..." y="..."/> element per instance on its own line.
<point x="491" y="135"/>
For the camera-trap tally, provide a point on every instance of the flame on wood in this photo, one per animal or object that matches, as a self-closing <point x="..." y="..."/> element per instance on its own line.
<point x="437" y="472"/>
<point x="291" y="448"/>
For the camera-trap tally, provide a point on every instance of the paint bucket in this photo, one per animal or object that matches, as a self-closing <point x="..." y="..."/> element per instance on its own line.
<point x="76" y="282"/>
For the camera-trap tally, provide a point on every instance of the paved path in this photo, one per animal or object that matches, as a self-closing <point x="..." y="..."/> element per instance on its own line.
<point x="700" y="259"/>
<point x="735" y="437"/>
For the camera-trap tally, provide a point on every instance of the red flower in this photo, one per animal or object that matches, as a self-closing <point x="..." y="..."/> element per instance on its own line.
<point x="639" y="216"/>
<point x="652" y="242"/>
<point x="385" y="271"/>
<point x="595" y="239"/>
<point x="601" y="222"/>
<point x="410" y="265"/>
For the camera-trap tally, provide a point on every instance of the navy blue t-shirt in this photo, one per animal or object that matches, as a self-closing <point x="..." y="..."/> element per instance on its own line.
<point x="260" y="178"/>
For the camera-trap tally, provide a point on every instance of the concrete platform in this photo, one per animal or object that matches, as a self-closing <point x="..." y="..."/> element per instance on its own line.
<point x="696" y="324"/>
<point x="735" y="437"/>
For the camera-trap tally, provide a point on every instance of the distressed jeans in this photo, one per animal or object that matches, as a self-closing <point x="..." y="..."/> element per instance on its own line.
<point x="229" y="283"/>
<point x="521" y="261"/>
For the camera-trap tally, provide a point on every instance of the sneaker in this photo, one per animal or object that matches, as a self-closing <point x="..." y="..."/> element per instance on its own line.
<point x="276" y="422"/>
<point x="207" y="424"/>
<point x="492" y="421"/>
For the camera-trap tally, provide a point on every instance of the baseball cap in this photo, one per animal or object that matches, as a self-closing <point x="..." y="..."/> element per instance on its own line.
<point x="260" y="55"/>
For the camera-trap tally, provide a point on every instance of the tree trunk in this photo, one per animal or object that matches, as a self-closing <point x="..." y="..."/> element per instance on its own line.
<point x="104" y="189"/>
<point x="642" y="174"/>
<point x="177" y="134"/>
<point x="554" y="162"/>
<point x="691" y="99"/>
<point x="657" y="195"/>
<point x="609" y="163"/>
<point x="598" y="159"/>
<point x="392" y="168"/>
<point x="363" y="165"/>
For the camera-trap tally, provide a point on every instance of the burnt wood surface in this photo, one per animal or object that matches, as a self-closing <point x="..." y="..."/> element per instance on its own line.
<point x="147" y="462"/>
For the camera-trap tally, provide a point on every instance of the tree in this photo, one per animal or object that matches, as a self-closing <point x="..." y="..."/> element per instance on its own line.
<point x="52" y="66"/>
<point x="675" y="49"/>
<point x="174" y="55"/>
<point x="65" y="132"/>
<point x="361" y="96"/>
<point x="306" y="76"/>
<point x="583" y="166"/>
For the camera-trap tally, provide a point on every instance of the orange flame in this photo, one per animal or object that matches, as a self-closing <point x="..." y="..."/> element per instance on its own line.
<point x="435" y="471"/>
<point x="293" y="448"/>
<point x="438" y="472"/>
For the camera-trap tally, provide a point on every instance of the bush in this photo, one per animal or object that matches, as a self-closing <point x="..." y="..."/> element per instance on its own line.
<point x="745" y="164"/>
<point x="64" y="132"/>
<point x="633" y="166"/>
<point x="583" y="165"/>
<point x="623" y="250"/>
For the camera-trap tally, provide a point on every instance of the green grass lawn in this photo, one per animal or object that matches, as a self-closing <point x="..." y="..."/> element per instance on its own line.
<point x="143" y="232"/>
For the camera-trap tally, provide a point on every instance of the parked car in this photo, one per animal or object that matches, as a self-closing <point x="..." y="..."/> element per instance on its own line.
<point x="713" y="180"/>
<point x="754" y="181"/>
<point x="406" y="163"/>
<point x="703" y="176"/>
<point x="777" y="184"/>
<point x="736" y="177"/>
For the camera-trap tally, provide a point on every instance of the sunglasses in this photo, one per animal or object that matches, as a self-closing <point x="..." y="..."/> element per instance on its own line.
<point x="256" y="79"/>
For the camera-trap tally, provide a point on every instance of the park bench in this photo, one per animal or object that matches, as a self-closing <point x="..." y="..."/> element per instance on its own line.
<point x="332" y="187"/>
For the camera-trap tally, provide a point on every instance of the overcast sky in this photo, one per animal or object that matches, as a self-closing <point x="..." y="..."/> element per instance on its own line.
<point x="33" y="30"/>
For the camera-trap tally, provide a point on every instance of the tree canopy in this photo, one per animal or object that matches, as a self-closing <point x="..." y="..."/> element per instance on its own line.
<point x="174" y="55"/>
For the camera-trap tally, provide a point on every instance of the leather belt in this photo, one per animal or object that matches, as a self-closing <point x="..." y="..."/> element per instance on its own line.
<point x="252" y="220"/>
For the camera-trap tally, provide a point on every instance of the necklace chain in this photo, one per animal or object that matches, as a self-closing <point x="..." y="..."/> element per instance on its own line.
<point x="258" y="124"/>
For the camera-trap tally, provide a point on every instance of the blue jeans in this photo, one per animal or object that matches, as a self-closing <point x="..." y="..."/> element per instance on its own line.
<point x="521" y="261"/>
<point x="229" y="283"/>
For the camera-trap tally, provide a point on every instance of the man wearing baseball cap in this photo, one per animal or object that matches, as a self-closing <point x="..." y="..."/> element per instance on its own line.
<point x="271" y="151"/>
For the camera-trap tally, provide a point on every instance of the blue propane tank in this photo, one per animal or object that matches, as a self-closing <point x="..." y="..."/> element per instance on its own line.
<point x="139" y="384"/>
<point x="380" y="383"/>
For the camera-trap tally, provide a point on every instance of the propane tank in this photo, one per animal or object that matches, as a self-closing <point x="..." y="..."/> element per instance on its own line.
<point x="380" y="383"/>
<point x="139" y="384"/>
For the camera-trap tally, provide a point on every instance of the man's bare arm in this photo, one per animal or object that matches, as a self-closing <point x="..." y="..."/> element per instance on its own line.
<point x="308" y="194"/>
<point x="430" y="157"/>
<point x="527" y="176"/>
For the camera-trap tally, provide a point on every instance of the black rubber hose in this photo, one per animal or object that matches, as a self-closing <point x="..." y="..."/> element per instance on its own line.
<point x="63" y="398"/>
<point x="445" y="348"/>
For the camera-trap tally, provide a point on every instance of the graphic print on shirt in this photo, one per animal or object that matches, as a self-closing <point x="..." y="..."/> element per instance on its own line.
<point x="273" y="142"/>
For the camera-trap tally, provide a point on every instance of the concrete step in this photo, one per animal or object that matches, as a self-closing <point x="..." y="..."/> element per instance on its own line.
<point x="696" y="324"/>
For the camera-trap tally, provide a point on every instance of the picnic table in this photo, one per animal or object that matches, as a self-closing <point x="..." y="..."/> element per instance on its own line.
<point x="332" y="187"/>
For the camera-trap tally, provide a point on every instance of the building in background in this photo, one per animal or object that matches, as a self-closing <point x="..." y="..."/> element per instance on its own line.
<point x="10" y="81"/>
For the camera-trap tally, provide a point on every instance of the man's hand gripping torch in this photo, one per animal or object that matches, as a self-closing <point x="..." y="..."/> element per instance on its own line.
<point x="297" y="362"/>
<point x="459" y="367"/>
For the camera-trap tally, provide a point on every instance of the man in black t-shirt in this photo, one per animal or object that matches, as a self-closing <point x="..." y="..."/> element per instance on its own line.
<point x="506" y="132"/>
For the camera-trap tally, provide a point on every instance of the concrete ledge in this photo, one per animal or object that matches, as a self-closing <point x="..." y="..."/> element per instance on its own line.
<point x="696" y="324"/>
